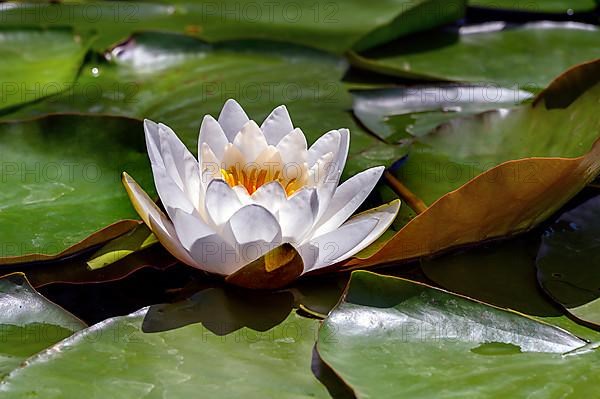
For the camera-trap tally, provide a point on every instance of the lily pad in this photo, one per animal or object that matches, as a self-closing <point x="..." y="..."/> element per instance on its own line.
<point x="115" y="358"/>
<point x="60" y="190"/>
<point x="523" y="57"/>
<point x="543" y="160"/>
<point x="392" y="337"/>
<point x="177" y="80"/>
<point x="37" y="63"/>
<point x="329" y="25"/>
<point x="400" y="113"/>
<point x="546" y="6"/>
<point x="502" y="274"/>
<point x="568" y="261"/>
<point x="29" y="322"/>
<point x="113" y="251"/>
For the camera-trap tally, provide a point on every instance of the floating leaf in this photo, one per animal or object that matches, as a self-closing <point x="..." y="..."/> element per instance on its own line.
<point x="544" y="160"/>
<point x="115" y="358"/>
<point x="392" y="337"/>
<point x="548" y="6"/>
<point x="29" y="322"/>
<point x="38" y="63"/>
<point x="325" y="24"/>
<point x="502" y="274"/>
<point x="60" y="190"/>
<point x="416" y="110"/>
<point x="177" y="80"/>
<point x="569" y="259"/>
<point x="524" y="57"/>
<point x="137" y="239"/>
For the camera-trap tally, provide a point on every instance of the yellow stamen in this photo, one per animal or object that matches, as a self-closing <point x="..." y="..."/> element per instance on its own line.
<point x="257" y="177"/>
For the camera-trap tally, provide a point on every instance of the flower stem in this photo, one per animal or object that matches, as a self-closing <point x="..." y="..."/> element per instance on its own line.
<point x="415" y="203"/>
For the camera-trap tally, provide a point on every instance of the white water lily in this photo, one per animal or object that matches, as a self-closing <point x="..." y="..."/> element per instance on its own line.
<point x="254" y="188"/>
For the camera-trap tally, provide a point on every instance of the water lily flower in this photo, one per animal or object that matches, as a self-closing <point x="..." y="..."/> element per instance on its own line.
<point x="255" y="189"/>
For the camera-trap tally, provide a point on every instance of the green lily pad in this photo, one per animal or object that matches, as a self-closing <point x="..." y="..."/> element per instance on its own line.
<point x="463" y="148"/>
<point x="545" y="6"/>
<point x="499" y="172"/>
<point x="392" y="337"/>
<point x="29" y="322"/>
<point x="37" y="63"/>
<point x="568" y="261"/>
<point x="177" y="80"/>
<point x="400" y="113"/>
<point x="526" y="57"/>
<point x="329" y="25"/>
<point x="60" y="190"/>
<point x="113" y="251"/>
<point x="116" y="359"/>
<point x="502" y="274"/>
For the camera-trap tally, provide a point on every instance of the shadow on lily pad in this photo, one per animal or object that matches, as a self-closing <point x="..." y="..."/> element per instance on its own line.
<point x="222" y="310"/>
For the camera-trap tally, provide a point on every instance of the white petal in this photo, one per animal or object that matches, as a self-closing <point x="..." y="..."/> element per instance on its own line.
<point x="254" y="223"/>
<point x="347" y="198"/>
<point x="171" y="194"/>
<point x="153" y="142"/>
<point x="212" y="134"/>
<point x="210" y="165"/>
<point x="232" y="118"/>
<point x="208" y="249"/>
<point x="221" y="202"/>
<point x="180" y="164"/>
<point x="342" y="154"/>
<point x="297" y="214"/>
<point x="156" y="220"/>
<point x="242" y="195"/>
<point x="233" y="157"/>
<point x="293" y="148"/>
<point x="250" y="141"/>
<point x="329" y="142"/>
<point x="190" y="227"/>
<point x="384" y="215"/>
<point x="255" y="231"/>
<point x="277" y="125"/>
<point x="325" y="176"/>
<point x="335" y="245"/>
<point x="270" y="196"/>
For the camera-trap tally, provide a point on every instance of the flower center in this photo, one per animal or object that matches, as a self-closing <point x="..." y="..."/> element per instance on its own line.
<point x="256" y="177"/>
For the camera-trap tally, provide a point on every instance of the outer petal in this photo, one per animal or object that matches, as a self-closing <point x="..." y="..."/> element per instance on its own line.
<point x="334" y="246"/>
<point x="209" y="250"/>
<point x="180" y="164"/>
<point x="297" y="215"/>
<point x="212" y="134"/>
<point x="255" y="232"/>
<point x="342" y="155"/>
<point x="221" y="202"/>
<point x="329" y="142"/>
<point x="347" y="198"/>
<point x="325" y="176"/>
<point x="232" y="118"/>
<point x="277" y="125"/>
<point x="156" y="220"/>
<point x="336" y="142"/>
<point x="254" y="223"/>
<point x="170" y="193"/>
<point x="250" y="141"/>
<point x="153" y="142"/>
<point x="384" y="215"/>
